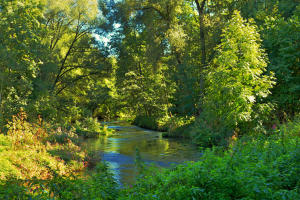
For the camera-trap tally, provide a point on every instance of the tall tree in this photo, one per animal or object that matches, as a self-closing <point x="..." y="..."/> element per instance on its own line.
<point x="236" y="79"/>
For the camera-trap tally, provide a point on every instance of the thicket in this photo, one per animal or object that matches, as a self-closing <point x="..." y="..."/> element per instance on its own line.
<point x="39" y="161"/>
<point x="34" y="150"/>
<point x="99" y="185"/>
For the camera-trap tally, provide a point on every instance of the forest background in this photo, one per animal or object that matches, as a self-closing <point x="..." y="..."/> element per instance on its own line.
<point x="212" y="71"/>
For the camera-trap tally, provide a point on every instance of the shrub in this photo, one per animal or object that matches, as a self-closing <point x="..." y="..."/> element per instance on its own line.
<point x="62" y="136"/>
<point x="179" y="126"/>
<point x="100" y="185"/>
<point x="207" y="132"/>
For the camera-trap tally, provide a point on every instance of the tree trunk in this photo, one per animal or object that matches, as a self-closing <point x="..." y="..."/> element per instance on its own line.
<point x="200" y="9"/>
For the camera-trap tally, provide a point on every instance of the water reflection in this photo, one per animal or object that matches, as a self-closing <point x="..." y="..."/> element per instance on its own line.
<point x="119" y="150"/>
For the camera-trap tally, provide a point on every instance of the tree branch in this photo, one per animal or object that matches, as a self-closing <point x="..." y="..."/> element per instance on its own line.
<point x="67" y="55"/>
<point x="200" y="9"/>
<point x="155" y="9"/>
<point x="75" y="80"/>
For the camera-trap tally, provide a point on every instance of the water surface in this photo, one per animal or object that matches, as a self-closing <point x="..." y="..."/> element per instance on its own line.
<point x="119" y="150"/>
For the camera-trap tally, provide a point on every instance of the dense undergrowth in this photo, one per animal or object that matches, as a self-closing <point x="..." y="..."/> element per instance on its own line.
<point x="40" y="161"/>
<point x="98" y="185"/>
<point x="35" y="150"/>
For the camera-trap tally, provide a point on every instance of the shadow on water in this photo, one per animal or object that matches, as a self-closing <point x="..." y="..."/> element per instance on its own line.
<point x="119" y="150"/>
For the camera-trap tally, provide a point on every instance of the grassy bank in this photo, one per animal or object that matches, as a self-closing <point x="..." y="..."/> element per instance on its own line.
<point x="36" y="150"/>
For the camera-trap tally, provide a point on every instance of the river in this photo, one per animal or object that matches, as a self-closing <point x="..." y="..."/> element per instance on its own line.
<point x="119" y="150"/>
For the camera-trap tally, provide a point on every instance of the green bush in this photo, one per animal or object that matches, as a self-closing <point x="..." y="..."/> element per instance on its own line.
<point x="62" y="137"/>
<point x="173" y="125"/>
<point x="208" y="133"/>
<point x="292" y="127"/>
<point x="99" y="185"/>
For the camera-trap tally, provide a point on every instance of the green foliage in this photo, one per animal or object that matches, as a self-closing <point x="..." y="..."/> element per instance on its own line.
<point x="179" y="126"/>
<point x="169" y="65"/>
<point x="20" y="39"/>
<point x="26" y="151"/>
<point x="48" y="160"/>
<point x="146" y="122"/>
<point x="206" y="135"/>
<point x="99" y="185"/>
<point x="48" y="54"/>
<point x="236" y="83"/>
<point x="292" y="127"/>
<point x="62" y="137"/>
<point x="262" y="168"/>
<point x="281" y="40"/>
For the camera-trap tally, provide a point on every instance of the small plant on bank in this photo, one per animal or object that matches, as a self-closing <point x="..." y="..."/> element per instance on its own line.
<point x="91" y="128"/>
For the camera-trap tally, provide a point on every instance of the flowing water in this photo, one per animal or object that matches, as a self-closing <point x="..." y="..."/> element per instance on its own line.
<point x="119" y="150"/>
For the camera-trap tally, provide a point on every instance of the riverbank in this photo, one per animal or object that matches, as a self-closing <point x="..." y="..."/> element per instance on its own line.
<point x="42" y="161"/>
<point x="264" y="167"/>
<point x="151" y="123"/>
